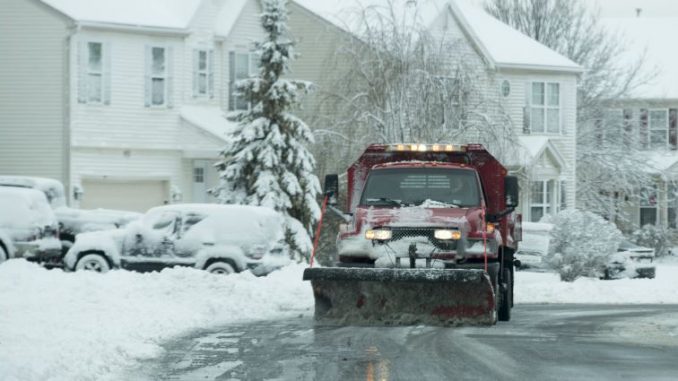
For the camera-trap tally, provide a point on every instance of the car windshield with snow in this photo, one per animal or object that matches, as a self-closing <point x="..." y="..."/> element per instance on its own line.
<point x="218" y="238"/>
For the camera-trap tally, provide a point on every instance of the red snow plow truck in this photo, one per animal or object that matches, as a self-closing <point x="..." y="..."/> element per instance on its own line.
<point x="429" y="238"/>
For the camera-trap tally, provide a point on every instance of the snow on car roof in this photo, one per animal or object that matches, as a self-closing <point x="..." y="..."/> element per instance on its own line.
<point x="21" y="207"/>
<point x="53" y="189"/>
<point x="215" y="208"/>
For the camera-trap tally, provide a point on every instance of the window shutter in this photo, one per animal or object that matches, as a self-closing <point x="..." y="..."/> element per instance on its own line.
<point x="82" y="72"/>
<point x="196" y="65"/>
<point x="673" y="128"/>
<point x="526" y="108"/>
<point x="231" y="81"/>
<point x="106" y="73"/>
<point x="643" y="128"/>
<point x="210" y="73"/>
<point x="169" y="57"/>
<point x="147" y="77"/>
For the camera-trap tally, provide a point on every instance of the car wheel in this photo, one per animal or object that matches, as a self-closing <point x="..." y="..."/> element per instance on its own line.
<point x="220" y="267"/>
<point x="3" y="254"/>
<point x="93" y="262"/>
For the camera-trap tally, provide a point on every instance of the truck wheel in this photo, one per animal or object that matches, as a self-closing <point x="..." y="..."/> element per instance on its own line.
<point x="506" y="297"/>
<point x="220" y="267"/>
<point x="93" y="262"/>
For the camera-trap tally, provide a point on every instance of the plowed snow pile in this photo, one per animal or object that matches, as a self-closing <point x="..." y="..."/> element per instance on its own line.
<point x="88" y="326"/>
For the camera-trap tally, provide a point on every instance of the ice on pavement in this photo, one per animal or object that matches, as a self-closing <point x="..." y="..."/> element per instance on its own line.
<point x="56" y="325"/>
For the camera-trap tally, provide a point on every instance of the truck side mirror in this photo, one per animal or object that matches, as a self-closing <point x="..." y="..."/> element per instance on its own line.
<point x="331" y="189"/>
<point x="511" y="191"/>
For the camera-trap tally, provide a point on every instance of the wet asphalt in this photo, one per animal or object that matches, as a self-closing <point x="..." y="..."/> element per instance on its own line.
<point x="542" y="342"/>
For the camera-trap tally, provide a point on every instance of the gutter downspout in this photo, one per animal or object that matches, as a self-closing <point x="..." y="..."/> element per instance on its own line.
<point x="67" y="97"/>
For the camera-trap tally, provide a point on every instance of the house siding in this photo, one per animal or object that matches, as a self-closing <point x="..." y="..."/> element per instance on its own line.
<point x="33" y="42"/>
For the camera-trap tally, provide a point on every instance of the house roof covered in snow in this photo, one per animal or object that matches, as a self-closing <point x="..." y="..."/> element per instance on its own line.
<point x="531" y="149"/>
<point x="654" y="40"/>
<point x="166" y="14"/>
<point x="501" y="45"/>
<point x="661" y="162"/>
<point x="210" y="119"/>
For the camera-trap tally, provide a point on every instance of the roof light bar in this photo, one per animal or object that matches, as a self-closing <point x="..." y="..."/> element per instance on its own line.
<point x="426" y="147"/>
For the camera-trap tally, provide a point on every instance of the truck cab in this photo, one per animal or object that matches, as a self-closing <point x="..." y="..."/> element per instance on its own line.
<point x="440" y="205"/>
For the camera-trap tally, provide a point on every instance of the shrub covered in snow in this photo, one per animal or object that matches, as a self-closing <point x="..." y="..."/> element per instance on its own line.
<point x="266" y="162"/>
<point x="656" y="237"/>
<point x="581" y="243"/>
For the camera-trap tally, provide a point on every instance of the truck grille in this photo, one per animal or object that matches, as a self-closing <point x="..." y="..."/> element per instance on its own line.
<point x="428" y="233"/>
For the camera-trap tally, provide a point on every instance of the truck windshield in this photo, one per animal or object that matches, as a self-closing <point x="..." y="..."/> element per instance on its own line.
<point x="415" y="186"/>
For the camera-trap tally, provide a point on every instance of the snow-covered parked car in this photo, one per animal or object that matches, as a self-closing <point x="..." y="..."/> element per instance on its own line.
<point x="218" y="238"/>
<point x="71" y="221"/>
<point x="534" y="247"/>
<point x="28" y="222"/>
<point x="631" y="261"/>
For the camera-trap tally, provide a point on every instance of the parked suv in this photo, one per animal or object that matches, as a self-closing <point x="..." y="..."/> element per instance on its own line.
<point x="218" y="238"/>
<point x="27" y="220"/>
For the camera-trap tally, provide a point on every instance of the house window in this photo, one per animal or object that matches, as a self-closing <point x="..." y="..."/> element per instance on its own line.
<point x="203" y="62"/>
<point x="545" y="107"/>
<point x="198" y="175"/>
<point x="648" y="206"/>
<point x="242" y="66"/>
<point x="659" y="128"/>
<point x="541" y="198"/>
<point x="95" y="72"/>
<point x="158" y="76"/>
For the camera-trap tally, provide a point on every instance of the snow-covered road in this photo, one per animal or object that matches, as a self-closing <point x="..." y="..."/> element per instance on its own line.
<point x="88" y="326"/>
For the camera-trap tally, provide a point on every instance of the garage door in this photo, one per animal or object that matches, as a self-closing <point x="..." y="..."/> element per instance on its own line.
<point x="136" y="196"/>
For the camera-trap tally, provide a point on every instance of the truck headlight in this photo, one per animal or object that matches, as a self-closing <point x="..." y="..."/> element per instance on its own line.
<point x="447" y="234"/>
<point x="378" y="234"/>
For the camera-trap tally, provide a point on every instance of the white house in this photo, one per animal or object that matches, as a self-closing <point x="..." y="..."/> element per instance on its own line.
<point x="650" y="116"/>
<point x="535" y="86"/>
<point x="125" y="100"/>
<point x="122" y="100"/>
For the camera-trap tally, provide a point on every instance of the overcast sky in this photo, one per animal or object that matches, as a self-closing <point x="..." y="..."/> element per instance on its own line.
<point x="627" y="8"/>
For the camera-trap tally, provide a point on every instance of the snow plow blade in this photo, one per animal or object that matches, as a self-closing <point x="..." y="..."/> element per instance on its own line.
<point x="380" y="296"/>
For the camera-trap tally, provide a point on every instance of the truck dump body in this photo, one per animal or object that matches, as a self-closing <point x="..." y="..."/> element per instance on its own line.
<point x="441" y="207"/>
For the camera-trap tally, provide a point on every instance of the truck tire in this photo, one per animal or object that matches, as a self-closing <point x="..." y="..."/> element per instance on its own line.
<point x="93" y="262"/>
<point x="506" y="297"/>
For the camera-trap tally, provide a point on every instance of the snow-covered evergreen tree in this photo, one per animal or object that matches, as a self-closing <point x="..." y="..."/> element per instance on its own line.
<point x="266" y="161"/>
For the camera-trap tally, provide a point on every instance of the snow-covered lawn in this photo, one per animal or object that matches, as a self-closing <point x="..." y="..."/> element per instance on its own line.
<point x="534" y="287"/>
<point x="87" y="326"/>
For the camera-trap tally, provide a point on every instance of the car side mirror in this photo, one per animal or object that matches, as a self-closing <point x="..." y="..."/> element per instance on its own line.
<point x="331" y="189"/>
<point x="511" y="191"/>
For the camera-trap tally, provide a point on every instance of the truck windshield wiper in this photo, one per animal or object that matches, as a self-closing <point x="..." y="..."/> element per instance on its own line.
<point x="385" y="200"/>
